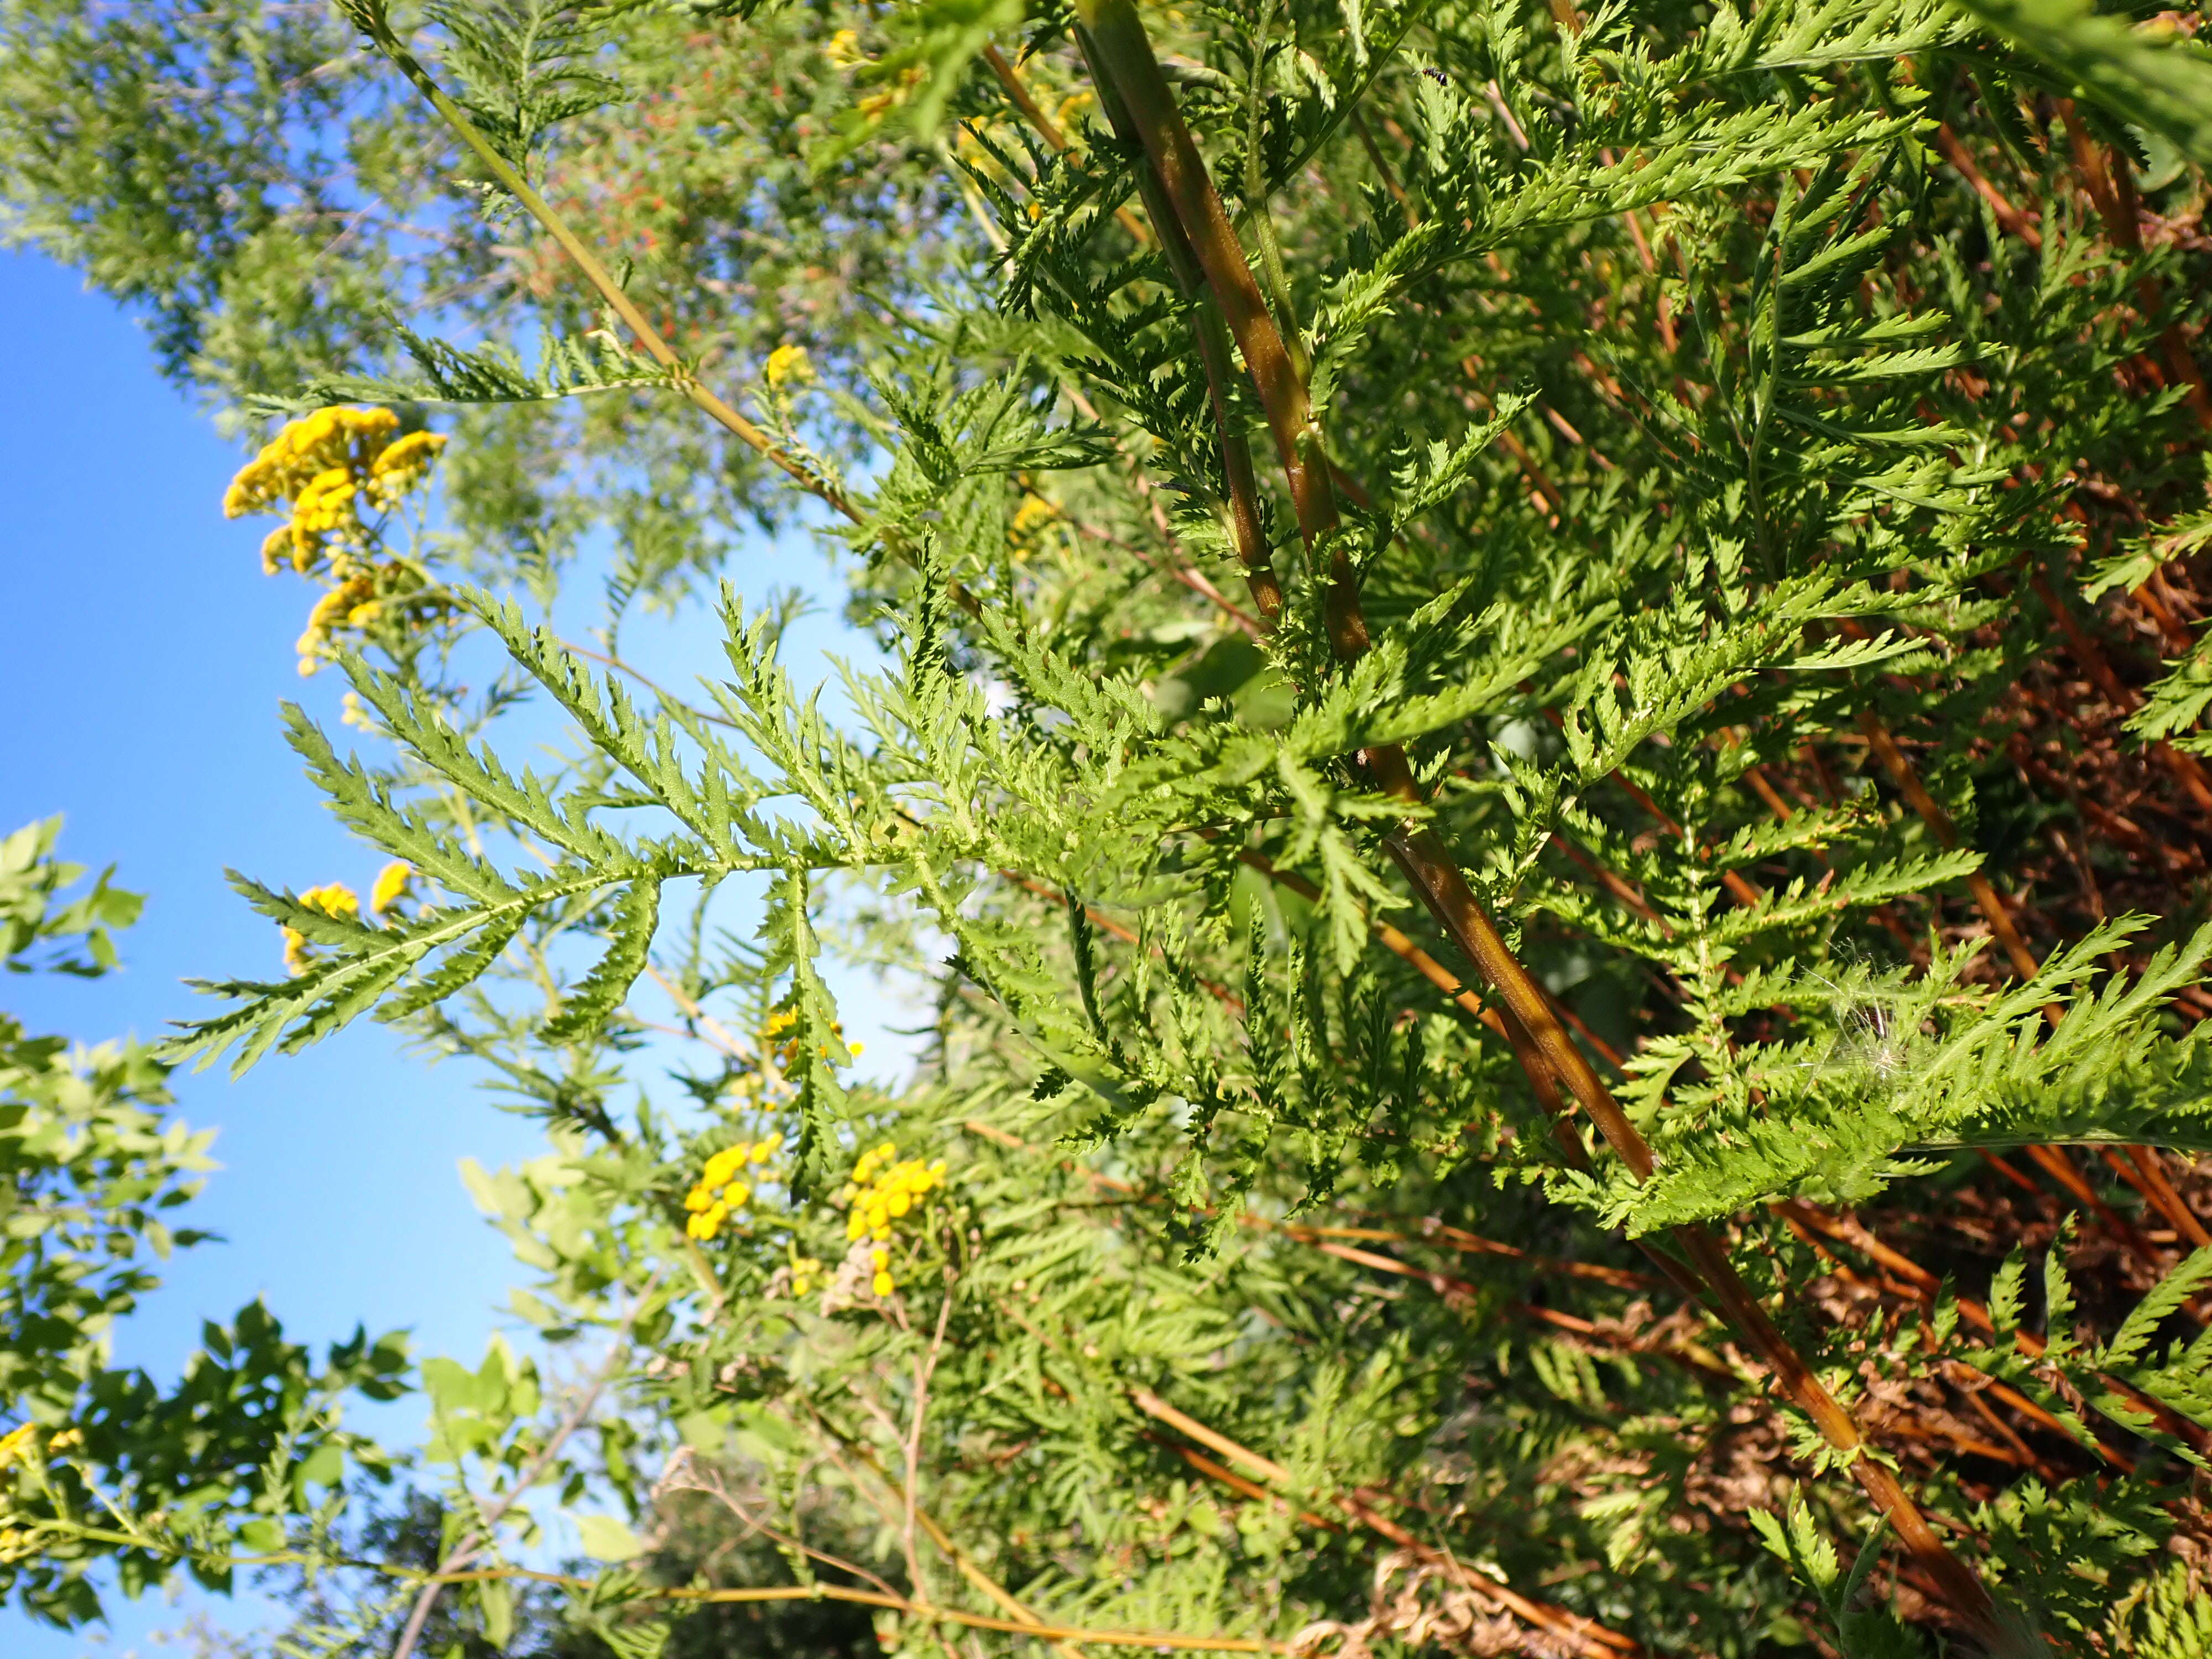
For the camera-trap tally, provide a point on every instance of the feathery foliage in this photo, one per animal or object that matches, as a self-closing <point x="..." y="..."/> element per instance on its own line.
<point x="1534" y="747"/>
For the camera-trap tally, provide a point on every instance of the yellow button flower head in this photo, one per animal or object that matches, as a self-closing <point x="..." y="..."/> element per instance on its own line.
<point x="844" y="49"/>
<point x="334" y="899"/>
<point x="391" y="885"/>
<point x="787" y="365"/>
<point x="334" y="609"/>
<point x="321" y="467"/>
<point x="780" y="1038"/>
<point x="401" y="465"/>
<point x="718" y="1192"/>
<point x="1033" y="514"/>
<point x="805" y="1274"/>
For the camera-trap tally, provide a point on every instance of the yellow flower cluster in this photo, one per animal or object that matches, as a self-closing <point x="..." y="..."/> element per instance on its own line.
<point x="325" y="467"/>
<point x="885" y="1189"/>
<point x="784" y="1051"/>
<point x="1026" y="531"/>
<point x="769" y="1081"/>
<point x="1068" y="117"/>
<point x="877" y="104"/>
<point x="334" y="899"/>
<point x="320" y="472"/>
<point x="718" y="1191"/>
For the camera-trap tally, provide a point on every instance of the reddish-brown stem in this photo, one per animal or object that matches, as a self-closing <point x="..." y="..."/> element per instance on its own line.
<point x="1248" y="528"/>
<point x="1124" y="64"/>
<point x="1593" y="1638"/>
<point x="1907" y="780"/>
<point x="2054" y="1163"/>
<point x="2160" y="1192"/>
<point x="2112" y="192"/>
<point x="2186" y="769"/>
<point x="2010" y="217"/>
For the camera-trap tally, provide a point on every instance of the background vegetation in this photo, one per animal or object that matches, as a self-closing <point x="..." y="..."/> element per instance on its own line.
<point x="1540" y="763"/>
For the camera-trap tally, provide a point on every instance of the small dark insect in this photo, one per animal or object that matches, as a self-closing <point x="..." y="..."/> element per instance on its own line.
<point x="1436" y="74"/>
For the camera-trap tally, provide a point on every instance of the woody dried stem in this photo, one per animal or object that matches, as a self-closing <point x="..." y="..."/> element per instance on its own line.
<point x="1248" y="528"/>
<point x="1121" y="55"/>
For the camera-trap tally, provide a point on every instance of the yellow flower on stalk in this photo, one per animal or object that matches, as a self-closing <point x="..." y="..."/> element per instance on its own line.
<point x="1025" y="530"/>
<point x="368" y="596"/>
<point x="16" y="1442"/>
<point x="718" y="1191"/>
<point x="1033" y="514"/>
<point x="805" y="1274"/>
<point x="335" y="609"/>
<point x="781" y="1039"/>
<point x="1072" y="110"/>
<point x="335" y="900"/>
<point x="316" y="470"/>
<point x="400" y="466"/>
<point x="788" y="364"/>
<point x="843" y="49"/>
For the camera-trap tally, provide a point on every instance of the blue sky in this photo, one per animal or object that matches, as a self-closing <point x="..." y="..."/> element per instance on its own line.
<point x="142" y="656"/>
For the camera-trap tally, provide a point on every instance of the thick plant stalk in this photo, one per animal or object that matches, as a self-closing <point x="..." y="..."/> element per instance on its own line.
<point x="1124" y="63"/>
<point x="1123" y="55"/>
<point x="1247" y="528"/>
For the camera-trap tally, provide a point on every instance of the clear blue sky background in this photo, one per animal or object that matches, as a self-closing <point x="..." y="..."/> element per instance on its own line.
<point x="142" y="656"/>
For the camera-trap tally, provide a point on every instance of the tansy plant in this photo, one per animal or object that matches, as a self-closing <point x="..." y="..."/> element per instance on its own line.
<point x="1535" y="773"/>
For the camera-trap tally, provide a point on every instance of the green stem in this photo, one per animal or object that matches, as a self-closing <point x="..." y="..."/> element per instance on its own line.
<point x="370" y="20"/>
